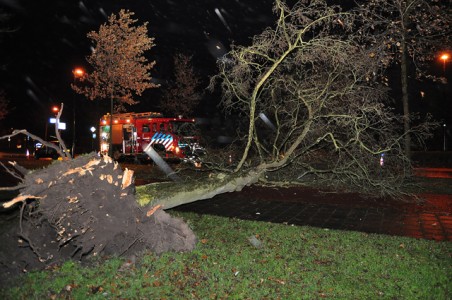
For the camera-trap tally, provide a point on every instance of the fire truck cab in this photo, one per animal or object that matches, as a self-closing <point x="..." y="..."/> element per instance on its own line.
<point x="132" y="132"/>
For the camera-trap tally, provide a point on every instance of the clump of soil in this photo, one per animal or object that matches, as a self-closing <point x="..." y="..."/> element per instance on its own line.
<point x="81" y="208"/>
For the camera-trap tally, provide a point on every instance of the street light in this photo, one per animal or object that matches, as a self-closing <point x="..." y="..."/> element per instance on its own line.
<point x="78" y="73"/>
<point x="93" y="131"/>
<point x="55" y="110"/>
<point x="445" y="58"/>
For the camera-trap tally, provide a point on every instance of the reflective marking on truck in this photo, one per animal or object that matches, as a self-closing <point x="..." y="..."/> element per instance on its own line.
<point x="165" y="139"/>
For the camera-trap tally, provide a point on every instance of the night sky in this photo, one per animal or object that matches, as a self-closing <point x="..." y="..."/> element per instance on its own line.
<point x="48" y="40"/>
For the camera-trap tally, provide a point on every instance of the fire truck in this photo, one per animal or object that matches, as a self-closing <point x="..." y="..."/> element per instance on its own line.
<point x="131" y="133"/>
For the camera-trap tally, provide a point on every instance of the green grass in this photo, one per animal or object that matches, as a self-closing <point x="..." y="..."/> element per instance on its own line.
<point x="293" y="263"/>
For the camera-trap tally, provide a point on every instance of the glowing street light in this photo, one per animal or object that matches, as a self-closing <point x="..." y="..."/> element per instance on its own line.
<point x="55" y="109"/>
<point x="78" y="73"/>
<point x="445" y="58"/>
<point x="93" y="132"/>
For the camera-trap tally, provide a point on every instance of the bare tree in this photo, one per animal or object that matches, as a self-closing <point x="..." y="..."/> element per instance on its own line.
<point x="182" y="95"/>
<point x="407" y="33"/>
<point x="120" y="68"/>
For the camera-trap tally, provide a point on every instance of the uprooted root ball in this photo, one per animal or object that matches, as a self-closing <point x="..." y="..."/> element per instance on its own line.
<point x="86" y="207"/>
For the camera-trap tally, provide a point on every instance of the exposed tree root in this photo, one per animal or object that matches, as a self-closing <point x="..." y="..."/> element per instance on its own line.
<point x="86" y="207"/>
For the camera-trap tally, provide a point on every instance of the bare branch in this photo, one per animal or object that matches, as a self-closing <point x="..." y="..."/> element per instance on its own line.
<point x="34" y="137"/>
<point x="15" y="175"/>
<point x="20" y="198"/>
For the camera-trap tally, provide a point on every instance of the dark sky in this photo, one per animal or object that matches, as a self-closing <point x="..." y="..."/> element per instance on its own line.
<point x="49" y="40"/>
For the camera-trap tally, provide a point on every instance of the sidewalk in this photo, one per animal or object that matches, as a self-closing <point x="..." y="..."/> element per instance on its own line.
<point x="431" y="219"/>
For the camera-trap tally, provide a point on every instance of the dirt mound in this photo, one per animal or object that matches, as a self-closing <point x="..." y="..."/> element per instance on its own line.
<point x="81" y="208"/>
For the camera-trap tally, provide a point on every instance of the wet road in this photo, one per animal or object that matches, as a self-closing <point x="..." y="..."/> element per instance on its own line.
<point x="433" y="172"/>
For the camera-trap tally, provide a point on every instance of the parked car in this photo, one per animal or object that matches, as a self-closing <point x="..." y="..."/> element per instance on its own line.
<point x="42" y="151"/>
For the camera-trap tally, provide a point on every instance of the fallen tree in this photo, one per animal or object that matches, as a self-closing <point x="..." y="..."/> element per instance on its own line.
<point x="169" y="195"/>
<point x="312" y="102"/>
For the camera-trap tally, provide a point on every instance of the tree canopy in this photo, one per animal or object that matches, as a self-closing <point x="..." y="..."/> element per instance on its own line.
<point x="182" y="95"/>
<point x="120" y="68"/>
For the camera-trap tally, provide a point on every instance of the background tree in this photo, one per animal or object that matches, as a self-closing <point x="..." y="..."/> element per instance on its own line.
<point x="120" y="68"/>
<point x="407" y="33"/>
<point x="182" y="95"/>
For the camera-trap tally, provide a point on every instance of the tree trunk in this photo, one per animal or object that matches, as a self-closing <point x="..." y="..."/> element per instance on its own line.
<point x="405" y="98"/>
<point x="169" y="194"/>
<point x="110" y="143"/>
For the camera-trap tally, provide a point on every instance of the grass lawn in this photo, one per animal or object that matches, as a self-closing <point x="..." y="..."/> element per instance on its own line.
<point x="290" y="263"/>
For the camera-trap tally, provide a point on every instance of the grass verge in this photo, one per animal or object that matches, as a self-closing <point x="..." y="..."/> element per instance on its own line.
<point x="286" y="262"/>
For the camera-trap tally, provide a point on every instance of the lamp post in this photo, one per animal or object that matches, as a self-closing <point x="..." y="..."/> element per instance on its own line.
<point x="78" y="73"/>
<point x="445" y="58"/>
<point x="110" y="142"/>
<point x="444" y="137"/>
<point x="93" y="131"/>
<point x="55" y="110"/>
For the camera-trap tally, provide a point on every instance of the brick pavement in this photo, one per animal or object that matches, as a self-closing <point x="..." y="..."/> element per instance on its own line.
<point x="431" y="219"/>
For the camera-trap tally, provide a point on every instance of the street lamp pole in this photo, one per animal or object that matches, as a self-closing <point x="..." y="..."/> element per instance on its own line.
<point x="78" y="73"/>
<point x="93" y="135"/>
<point x="110" y="146"/>
<point x="55" y="110"/>
<point x="445" y="58"/>
<point x="444" y="137"/>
